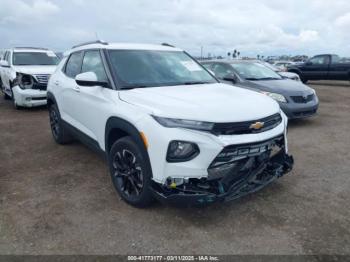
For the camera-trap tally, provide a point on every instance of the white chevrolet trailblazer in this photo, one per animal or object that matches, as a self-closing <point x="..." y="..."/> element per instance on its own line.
<point x="24" y="73"/>
<point x="169" y="130"/>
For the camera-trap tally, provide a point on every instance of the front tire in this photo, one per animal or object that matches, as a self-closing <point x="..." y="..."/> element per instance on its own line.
<point x="130" y="172"/>
<point x="59" y="131"/>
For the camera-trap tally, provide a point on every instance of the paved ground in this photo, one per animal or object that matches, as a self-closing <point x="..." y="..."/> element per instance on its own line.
<point x="59" y="199"/>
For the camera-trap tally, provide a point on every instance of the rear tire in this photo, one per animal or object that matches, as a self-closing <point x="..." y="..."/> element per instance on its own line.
<point x="130" y="172"/>
<point x="59" y="132"/>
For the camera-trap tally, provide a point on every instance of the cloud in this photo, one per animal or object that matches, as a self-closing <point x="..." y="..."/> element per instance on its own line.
<point x="252" y="26"/>
<point x="21" y="12"/>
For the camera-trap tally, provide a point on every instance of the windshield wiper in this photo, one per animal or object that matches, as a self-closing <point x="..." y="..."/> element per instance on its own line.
<point x="263" y="78"/>
<point x="252" y="78"/>
<point x="195" y="83"/>
<point x="133" y="87"/>
<point x="269" y="78"/>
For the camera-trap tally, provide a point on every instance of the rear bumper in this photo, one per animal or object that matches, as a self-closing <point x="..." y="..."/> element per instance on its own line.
<point x="248" y="183"/>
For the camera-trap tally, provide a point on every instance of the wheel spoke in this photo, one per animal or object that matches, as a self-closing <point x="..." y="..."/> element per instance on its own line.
<point x="132" y="183"/>
<point x="128" y="172"/>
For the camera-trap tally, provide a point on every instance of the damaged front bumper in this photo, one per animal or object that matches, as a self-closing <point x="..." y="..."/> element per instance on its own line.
<point x="235" y="172"/>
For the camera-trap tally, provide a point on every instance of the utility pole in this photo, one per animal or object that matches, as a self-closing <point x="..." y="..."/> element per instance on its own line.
<point x="201" y="52"/>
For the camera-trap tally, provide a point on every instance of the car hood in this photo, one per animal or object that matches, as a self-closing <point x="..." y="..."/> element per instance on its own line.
<point x="206" y="102"/>
<point x="35" y="70"/>
<point x="285" y="87"/>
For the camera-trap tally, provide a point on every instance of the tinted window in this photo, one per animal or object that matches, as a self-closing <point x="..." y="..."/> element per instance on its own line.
<point x="73" y="65"/>
<point x="34" y="58"/>
<point x="148" y="68"/>
<point x="319" y="60"/>
<point x="92" y="62"/>
<point x="222" y="70"/>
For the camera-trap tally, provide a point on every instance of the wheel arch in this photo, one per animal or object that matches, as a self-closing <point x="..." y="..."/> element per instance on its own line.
<point x="51" y="99"/>
<point x="117" y="128"/>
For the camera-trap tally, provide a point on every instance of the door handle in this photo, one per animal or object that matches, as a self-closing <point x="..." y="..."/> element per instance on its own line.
<point x="76" y="89"/>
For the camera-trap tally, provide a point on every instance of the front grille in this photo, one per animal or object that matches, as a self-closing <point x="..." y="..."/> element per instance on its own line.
<point x="239" y="128"/>
<point x="302" y="99"/>
<point x="305" y="113"/>
<point x="42" y="78"/>
<point x="38" y="98"/>
<point x="236" y="152"/>
<point x="38" y="86"/>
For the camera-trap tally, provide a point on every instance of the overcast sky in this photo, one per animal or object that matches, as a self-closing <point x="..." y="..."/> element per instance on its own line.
<point x="253" y="27"/>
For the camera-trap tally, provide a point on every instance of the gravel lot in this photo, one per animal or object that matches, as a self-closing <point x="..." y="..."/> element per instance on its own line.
<point x="60" y="200"/>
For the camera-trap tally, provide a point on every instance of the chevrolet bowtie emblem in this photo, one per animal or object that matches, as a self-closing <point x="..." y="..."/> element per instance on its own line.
<point x="257" y="125"/>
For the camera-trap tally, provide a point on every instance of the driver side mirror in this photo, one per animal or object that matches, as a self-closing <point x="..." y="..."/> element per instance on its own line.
<point x="308" y="63"/>
<point x="231" y="77"/>
<point x="89" y="79"/>
<point x="4" y="63"/>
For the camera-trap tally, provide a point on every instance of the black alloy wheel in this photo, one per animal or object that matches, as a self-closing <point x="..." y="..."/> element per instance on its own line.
<point x="54" y="123"/>
<point x="131" y="172"/>
<point x="59" y="132"/>
<point x="128" y="173"/>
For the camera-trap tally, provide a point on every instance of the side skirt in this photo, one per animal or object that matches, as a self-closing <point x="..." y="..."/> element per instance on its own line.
<point x="85" y="139"/>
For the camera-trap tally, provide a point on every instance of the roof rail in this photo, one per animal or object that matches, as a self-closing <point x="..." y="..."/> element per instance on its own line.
<point x="30" y="47"/>
<point x="91" y="42"/>
<point x="166" y="44"/>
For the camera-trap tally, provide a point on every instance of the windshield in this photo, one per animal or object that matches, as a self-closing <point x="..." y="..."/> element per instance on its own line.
<point x="148" y="68"/>
<point x="255" y="71"/>
<point x="34" y="58"/>
<point x="272" y="67"/>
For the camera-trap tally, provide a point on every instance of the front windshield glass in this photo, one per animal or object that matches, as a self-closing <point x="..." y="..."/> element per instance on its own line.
<point x="255" y="71"/>
<point x="272" y="67"/>
<point x="148" y="68"/>
<point x="34" y="58"/>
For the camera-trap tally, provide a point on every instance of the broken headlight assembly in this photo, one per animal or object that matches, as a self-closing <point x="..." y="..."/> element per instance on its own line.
<point x="24" y="81"/>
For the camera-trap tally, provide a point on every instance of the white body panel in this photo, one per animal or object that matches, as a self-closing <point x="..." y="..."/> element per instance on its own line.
<point x="89" y="108"/>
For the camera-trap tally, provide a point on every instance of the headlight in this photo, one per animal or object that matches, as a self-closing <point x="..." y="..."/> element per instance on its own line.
<point x="275" y="96"/>
<point x="181" y="123"/>
<point x="24" y="81"/>
<point x="180" y="151"/>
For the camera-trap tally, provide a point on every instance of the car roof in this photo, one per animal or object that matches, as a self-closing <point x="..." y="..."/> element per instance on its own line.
<point x="30" y="49"/>
<point x="122" y="46"/>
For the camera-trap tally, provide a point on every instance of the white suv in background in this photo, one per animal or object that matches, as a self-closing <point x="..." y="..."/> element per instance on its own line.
<point x="167" y="127"/>
<point x="24" y="74"/>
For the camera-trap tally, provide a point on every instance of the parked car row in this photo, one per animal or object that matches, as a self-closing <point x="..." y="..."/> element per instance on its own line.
<point x="169" y="128"/>
<point x="323" y="67"/>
